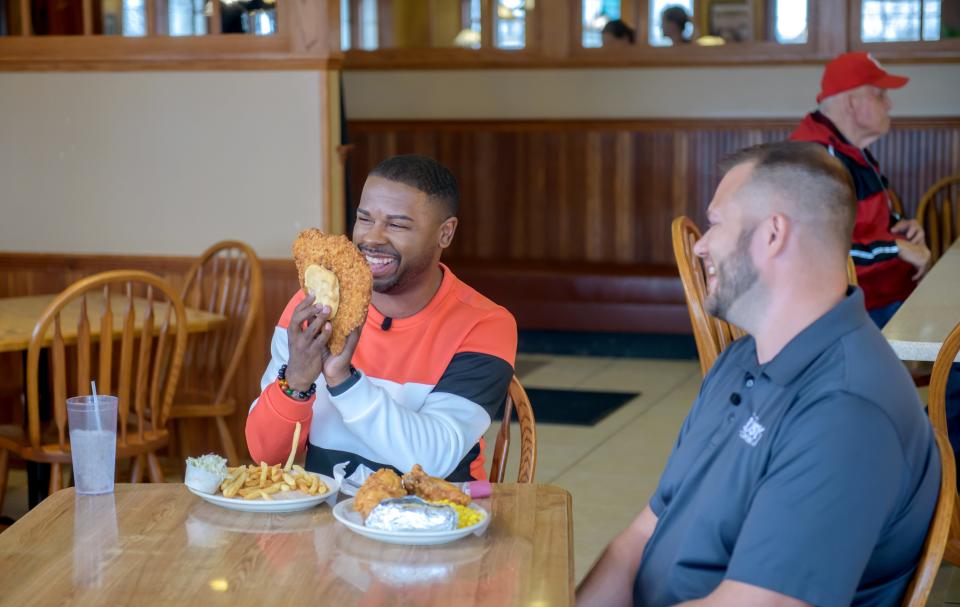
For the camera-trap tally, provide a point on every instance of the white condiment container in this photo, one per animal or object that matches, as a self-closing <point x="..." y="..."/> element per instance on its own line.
<point x="202" y="480"/>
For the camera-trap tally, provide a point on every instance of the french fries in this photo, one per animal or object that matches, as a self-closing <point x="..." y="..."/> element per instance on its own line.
<point x="261" y="482"/>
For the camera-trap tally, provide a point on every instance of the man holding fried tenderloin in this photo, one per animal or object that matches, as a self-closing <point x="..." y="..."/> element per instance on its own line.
<point x="421" y="379"/>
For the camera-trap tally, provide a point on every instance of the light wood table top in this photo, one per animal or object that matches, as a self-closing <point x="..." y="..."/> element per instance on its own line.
<point x="19" y="315"/>
<point x="162" y="545"/>
<point x="917" y="330"/>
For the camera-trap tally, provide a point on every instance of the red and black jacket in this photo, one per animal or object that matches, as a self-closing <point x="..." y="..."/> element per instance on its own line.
<point x="883" y="276"/>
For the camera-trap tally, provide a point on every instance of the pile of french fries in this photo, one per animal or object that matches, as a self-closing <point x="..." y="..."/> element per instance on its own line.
<point x="260" y="482"/>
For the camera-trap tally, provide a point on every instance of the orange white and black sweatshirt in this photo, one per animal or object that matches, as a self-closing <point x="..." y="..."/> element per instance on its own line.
<point x="427" y="390"/>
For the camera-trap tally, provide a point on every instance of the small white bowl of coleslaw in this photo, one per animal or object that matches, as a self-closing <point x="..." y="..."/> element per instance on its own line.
<point x="205" y="473"/>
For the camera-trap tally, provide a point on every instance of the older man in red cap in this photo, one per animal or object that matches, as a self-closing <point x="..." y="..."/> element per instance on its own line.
<point x="854" y="111"/>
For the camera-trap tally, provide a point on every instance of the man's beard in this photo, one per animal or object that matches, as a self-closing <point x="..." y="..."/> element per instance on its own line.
<point x="404" y="276"/>
<point x="736" y="274"/>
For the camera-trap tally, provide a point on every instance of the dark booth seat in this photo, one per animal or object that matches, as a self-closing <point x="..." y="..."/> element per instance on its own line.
<point x="582" y="296"/>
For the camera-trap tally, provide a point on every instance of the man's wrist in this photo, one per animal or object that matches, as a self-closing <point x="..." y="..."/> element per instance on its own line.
<point x="297" y="384"/>
<point x="293" y="391"/>
<point x="339" y="384"/>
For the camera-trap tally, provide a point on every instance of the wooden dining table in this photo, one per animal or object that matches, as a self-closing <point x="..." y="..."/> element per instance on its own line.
<point x="162" y="545"/>
<point x="916" y="332"/>
<point x="19" y="315"/>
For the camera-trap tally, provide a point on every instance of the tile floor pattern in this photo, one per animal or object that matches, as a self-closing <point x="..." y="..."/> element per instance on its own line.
<point x="611" y="468"/>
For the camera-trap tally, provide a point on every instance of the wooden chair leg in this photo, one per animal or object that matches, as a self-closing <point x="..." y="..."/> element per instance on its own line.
<point x="154" y="469"/>
<point x="181" y="426"/>
<point x="56" y="478"/>
<point x="136" y="469"/>
<point x="226" y="439"/>
<point x="4" y="462"/>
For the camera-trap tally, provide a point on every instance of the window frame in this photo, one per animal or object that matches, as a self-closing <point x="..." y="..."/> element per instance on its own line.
<point x="455" y="57"/>
<point x="822" y="43"/>
<point x="300" y="47"/>
<point x="900" y="52"/>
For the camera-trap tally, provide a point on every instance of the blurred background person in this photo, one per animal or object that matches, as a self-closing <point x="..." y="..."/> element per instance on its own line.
<point x="674" y="21"/>
<point x="617" y="33"/>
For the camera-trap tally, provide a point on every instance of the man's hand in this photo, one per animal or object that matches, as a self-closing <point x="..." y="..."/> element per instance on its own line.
<point x="911" y="229"/>
<point x="917" y="255"/>
<point x="307" y="337"/>
<point x="336" y="369"/>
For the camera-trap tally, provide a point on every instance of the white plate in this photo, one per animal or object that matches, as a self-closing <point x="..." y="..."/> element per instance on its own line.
<point x="286" y="501"/>
<point x="345" y="513"/>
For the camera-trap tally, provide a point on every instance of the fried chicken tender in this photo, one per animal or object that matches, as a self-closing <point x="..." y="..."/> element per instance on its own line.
<point x="349" y="296"/>
<point x="382" y="484"/>
<point x="432" y="489"/>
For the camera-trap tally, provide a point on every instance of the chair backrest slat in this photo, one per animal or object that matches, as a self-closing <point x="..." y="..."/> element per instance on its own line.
<point x="83" y="350"/>
<point x="143" y="365"/>
<point x="106" y="344"/>
<point x="126" y="365"/>
<point x="157" y="375"/>
<point x="947" y="226"/>
<point x="516" y="401"/>
<point x="59" y="366"/>
<point x="501" y="450"/>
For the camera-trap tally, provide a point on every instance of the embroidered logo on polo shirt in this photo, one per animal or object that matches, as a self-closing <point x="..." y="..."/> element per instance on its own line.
<point x="752" y="431"/>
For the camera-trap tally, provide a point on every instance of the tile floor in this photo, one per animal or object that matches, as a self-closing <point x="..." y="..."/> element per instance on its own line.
<point x="610" y="468"/>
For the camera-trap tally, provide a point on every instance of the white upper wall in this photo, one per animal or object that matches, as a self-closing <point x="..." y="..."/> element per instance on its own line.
<point x="170" y="162"/>
<point x="715" y="92"/>
<point x="159" y="162"/>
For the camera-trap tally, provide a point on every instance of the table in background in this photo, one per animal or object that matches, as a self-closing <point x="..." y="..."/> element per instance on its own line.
<point x="917" y="330"/>
<point x="162" y="545"/>
<point x="19" y="316"/>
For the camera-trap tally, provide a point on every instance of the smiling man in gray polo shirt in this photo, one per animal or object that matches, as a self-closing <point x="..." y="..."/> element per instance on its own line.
<point x="806" y="472"/>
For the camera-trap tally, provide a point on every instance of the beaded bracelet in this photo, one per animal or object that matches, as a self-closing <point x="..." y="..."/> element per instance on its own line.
<point x="297" y="394"/>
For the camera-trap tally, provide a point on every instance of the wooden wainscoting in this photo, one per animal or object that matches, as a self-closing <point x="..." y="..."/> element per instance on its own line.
<point x="34" y="274"/>
<point x="606" y="190"/>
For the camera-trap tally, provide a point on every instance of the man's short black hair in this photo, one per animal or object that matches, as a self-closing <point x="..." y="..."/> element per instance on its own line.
<point x="425" y="174"/>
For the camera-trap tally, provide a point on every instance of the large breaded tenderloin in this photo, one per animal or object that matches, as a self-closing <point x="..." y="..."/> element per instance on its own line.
<point x="332" y="268"/>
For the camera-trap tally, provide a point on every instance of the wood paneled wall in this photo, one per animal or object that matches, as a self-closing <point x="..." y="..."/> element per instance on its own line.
<point x="33" y="274"/>
<point x="606" y="191"/>
<point x="568" y="191"/>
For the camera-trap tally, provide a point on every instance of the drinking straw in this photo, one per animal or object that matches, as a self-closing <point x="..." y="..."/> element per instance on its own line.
<point x="96" y="404"/>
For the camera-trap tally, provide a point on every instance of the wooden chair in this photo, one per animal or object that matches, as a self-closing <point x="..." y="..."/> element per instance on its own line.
<point x="711" y="334"/>
<point x="939" y="530"/>
<point x="144" y="377"/>
<point x="851" y="271"/>
<point x="226" y="280"/>
<point x="939" y="214"/>
<point x="518" y="401"/>
<point x="937" y="409"/>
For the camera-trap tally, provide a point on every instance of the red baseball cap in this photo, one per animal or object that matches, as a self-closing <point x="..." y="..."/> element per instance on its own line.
<point x="850" y="70"/>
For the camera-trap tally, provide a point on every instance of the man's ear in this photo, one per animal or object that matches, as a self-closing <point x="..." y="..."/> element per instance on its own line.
<point x="849" y="103"/>
<point x="777" y="230"/>
<point x="447" y="229"/>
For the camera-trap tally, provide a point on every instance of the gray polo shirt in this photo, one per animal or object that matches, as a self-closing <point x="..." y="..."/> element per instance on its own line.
<point x="814" y="475"/>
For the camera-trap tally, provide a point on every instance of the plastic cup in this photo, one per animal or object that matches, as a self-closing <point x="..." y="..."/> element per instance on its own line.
<point x="93" y="442"/>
